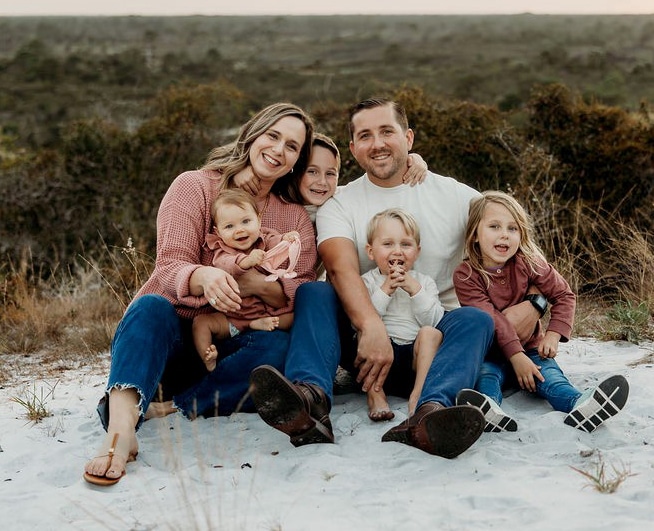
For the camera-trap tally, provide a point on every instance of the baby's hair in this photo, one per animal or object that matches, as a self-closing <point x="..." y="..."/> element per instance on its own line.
<point x="527" y="246"/>
<point x="232" y="196"/>
<point x="407" y="220"/>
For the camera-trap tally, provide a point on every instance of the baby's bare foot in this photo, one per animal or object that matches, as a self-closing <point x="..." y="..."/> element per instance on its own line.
<point x="266" y="324"/>
<point x="159" y="409"/>
<point x="210" y="357"/>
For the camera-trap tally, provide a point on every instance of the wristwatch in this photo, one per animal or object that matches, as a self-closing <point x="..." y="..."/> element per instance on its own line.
<point x="538" y="301"/>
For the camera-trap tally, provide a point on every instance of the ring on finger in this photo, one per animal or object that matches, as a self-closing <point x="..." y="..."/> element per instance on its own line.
<point x="212" y="301"/>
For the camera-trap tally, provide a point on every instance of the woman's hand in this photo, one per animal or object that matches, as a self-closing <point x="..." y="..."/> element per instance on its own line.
<point x="253" y="283"/>
<point x="219" y="288"/>
<point x="416" y="171"/>
<point x="248" y="181"/>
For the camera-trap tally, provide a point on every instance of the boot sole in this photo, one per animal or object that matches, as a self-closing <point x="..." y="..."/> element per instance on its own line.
<point x="281" y="406"/>
<point x="447" y="432"/>
<point x="451" y="431"/>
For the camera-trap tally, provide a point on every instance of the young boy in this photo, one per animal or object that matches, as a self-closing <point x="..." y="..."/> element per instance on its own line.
<point x="406" y="300"/>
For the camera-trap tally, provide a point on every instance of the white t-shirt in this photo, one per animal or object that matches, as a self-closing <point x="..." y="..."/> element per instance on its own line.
<point x="440" y="206"/>
<point x="402" y="314"/>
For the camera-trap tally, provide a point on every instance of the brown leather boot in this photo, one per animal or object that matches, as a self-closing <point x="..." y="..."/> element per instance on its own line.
<point x="299" y="410"/>
<point x="439" y="430"/>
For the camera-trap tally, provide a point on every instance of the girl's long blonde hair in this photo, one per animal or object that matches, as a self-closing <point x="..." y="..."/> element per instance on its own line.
<point x="233" y="157"/>
<point x="527" y="247"/>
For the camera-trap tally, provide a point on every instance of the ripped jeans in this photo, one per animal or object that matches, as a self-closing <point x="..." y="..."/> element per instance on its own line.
<point x="153" y="345"/>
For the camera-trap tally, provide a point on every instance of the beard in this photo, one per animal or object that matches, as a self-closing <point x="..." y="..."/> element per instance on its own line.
<point x="386" y="172"/>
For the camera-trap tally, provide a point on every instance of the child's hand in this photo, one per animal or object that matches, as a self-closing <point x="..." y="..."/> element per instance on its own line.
<point x="248" y="181"/>
<point x="525" y="371"/>
<point x="549" y="346"/>
<point x="396" y="274"/>
<point x="408" y="283"/>
<point x="255" y="258"/>
<point x="387" y="286"/>
<point x="291" y="236"/>
<point x="416" y="171"/>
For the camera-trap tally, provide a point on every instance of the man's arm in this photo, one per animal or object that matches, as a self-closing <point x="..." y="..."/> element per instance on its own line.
<point x="374" y="351"/>
<point x="523" y="316"/>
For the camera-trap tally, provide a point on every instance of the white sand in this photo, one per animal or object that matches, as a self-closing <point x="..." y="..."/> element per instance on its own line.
<point x="236" y="473"/>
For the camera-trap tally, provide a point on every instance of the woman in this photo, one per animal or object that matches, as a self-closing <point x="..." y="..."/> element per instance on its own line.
<point x="153" y="342"/>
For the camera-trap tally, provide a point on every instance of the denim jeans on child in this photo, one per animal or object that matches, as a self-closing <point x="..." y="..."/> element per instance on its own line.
<point x="556" y="388"/>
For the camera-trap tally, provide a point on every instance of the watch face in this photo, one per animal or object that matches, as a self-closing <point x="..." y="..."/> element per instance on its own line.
<point x="538" y="301"/>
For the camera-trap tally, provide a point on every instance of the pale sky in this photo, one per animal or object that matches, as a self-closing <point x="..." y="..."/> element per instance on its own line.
<point x="319" y="7"/>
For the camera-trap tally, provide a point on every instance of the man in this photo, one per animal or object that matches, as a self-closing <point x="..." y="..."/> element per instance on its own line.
<point x="380" y="140"/>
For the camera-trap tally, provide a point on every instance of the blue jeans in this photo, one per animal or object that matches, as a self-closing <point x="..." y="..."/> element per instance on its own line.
<point x="467" y="335"/>
<point x="315" y="346"/>
<point x="556" y="388"/>
<point x="153" y="344"/>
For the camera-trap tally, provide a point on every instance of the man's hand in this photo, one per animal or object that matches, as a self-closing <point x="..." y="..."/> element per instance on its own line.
<point x="523" y="316"/>
<point x="374" y="356"/>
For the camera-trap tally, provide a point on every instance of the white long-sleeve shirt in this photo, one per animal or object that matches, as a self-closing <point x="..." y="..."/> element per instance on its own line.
<point x="402" y="314"/>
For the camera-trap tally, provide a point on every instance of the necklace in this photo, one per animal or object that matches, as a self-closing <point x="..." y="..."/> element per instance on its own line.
<point x="265" y="205"/>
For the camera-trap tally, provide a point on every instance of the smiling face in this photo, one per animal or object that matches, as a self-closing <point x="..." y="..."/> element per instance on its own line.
<point x="274" y="153"/>
<point x="238" y="226"/>
<point x="318" y="183"/>
<point x="380" y="144"/>
<point x="498" y="235"/>
<point x="392" y="245"/>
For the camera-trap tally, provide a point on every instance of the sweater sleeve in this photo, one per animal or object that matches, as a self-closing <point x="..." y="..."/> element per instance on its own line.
<point x="561" y="297"/>
<point x="182" y="224"/>
<point x="471" y="290"/>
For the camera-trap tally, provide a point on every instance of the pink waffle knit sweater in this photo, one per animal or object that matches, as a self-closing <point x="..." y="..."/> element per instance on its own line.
<point x="183" y="222"/>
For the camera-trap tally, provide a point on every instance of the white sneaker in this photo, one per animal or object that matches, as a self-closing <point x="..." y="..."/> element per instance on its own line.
<point x="496" y="419"/>
<point x="598" y="404"/>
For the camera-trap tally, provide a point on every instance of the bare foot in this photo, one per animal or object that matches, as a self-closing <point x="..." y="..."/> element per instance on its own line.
<point x="160" y="409"/>
<point x="125" y="451"/>
<point x="378" y="408"/>
<point x="266" y="324"/>
<point x="210" y="357"/>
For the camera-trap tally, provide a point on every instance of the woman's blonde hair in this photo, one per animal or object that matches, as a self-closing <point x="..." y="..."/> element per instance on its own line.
<point x="407" y="220"/>
<point x="233" y="157"/>
<point x="527" y="246"/>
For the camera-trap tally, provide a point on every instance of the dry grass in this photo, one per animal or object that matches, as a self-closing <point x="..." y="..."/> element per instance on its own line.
<point x="68" y="320"/>
<point x="603" y="480"/>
